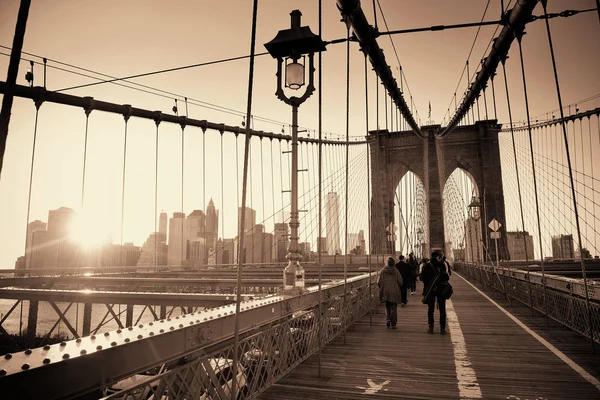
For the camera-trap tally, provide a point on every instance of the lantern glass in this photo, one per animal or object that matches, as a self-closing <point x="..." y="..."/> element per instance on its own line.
<point x="294" y="75"/>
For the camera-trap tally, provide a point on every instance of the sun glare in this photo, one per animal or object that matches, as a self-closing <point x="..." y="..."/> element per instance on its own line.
<point x="89" y="233"/>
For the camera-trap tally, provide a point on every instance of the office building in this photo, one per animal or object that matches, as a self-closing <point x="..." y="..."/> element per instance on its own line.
<point x="516" y="242"/>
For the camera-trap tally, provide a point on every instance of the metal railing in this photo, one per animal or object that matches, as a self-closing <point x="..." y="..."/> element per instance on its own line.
<point x="191" y="356"/>
<point x="565" y="297"/>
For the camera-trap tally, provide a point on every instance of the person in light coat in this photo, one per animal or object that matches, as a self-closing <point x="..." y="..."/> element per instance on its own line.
<point x="390" y="282"/>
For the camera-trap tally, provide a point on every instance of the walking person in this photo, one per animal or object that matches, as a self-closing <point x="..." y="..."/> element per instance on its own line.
<point x="389" y="284"/>
<point x="414" y="272"/>
<point x="404" y="270"/>
<point x="435" y="276"/>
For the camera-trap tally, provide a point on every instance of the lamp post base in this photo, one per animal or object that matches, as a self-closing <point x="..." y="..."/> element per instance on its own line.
<point x="293" y="276"/>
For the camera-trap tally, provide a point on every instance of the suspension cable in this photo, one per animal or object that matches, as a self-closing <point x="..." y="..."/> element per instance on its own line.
<point x="368" y="187"/>
<point x="156" y="197"/>
<point x="124" y="261"/>
<point x="35" y="126"/>
<point x="236" y="355"/>
<point x="535" y="190"/>
<point x="583" y="272"/>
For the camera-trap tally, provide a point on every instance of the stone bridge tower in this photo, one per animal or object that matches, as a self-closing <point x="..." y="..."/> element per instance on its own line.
<point x="473" y="148"/>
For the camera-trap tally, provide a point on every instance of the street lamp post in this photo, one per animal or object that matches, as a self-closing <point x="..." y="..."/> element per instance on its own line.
<point x="475" y="213"/>
<point x="291" y="46"/>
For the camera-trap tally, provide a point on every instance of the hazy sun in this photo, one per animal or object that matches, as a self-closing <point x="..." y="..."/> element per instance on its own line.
<point x="91" y="233"/>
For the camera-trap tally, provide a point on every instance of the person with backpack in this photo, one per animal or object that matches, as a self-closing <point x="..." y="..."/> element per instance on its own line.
<point x="389" y="284"/>
<point x="436" y="289"/>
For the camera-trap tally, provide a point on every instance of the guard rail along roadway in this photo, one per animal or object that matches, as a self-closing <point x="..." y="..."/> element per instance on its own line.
<point x="565" y="297"/>
<point x="191" y="356"/>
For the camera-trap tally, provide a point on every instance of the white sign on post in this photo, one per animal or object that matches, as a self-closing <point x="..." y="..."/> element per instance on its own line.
<point x="495" y="235"/>
<point x="495" y="225"/>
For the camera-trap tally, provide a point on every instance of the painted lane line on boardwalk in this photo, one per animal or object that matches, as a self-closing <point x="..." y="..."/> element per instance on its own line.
<point x="587" y="376"/>
<point x="468" y="388"/>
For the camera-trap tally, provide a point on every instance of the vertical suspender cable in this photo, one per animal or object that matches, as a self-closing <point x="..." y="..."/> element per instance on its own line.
<point x="156" y="197"/>
<point x="368" y="189"/>
<point x="204" y="205"/>
<point x="223" y="202"/>
<point x="88" y="110"/>
<point x="562" y="122"/>
<point x="346" y="185"/>
<point x="124" y="258"/>
<point x="320" y="173"/>
<point x="236" y="351"/>
<point x="262" y="196"/>
<point x="183" y="242"/>
<point x="537" y="206"/>
<point x="512" y="133"/>
<point x="494" y="95"/>
<point x="27" y="256"/>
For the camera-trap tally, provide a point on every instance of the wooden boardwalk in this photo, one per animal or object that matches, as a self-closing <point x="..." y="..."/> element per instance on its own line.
<point x="502" y="359"/>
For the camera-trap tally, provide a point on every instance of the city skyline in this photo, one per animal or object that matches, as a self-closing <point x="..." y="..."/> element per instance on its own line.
<point x="57" y="180"/>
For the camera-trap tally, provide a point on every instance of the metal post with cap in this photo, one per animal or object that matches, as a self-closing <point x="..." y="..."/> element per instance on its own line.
<point x="292" y="45"/>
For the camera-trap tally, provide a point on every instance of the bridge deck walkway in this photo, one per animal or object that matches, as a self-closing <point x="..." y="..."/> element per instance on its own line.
<point x="486" y="355"/>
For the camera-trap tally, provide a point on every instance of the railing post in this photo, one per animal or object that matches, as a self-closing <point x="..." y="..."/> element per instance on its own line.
<point x="129" y="315"/>
<point x="32" y="321"/>
<point x="87" y="319"/>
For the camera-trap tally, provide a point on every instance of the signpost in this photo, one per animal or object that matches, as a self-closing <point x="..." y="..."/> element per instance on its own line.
<point x="494" y="226"/>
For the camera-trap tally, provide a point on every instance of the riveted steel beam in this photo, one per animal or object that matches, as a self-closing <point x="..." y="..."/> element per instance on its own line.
<point x="70" y="369"/>
<point x="366" y="35"/>
<point x="134" y="298"/>
<point x="515" y="23"/>
<point x="39" y="94"/>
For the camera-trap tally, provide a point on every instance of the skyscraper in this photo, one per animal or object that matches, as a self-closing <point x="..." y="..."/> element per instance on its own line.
<point x="177" y="239"/>
<point x="516" y="245"/>
<point x="30" y="245"/>
<point x="212" y="219"/>
<point x="62" y="252"/>
<point x="249" y="219"/>
<point x="562" y="247"/>
<point x="332" y="223"/>
<point x="282" y="241"/>
<point x="162" y="226"/>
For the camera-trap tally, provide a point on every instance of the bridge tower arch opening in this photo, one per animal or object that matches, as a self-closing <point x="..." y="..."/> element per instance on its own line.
<point x="464" y="240"/>
<point x="410" y="215"/>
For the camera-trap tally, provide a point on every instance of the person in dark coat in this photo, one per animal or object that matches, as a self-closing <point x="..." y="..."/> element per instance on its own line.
<point x="414" y="272"/>
<point x="404" y="270"/>
<point x="389" y="284"/>
<point x="435" y="268"/>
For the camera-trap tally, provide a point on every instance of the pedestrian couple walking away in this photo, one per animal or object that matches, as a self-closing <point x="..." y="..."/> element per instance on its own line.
<point x="436" y="289"/>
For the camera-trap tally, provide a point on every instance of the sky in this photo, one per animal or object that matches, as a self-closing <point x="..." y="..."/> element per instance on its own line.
<point x="125" y="38"/>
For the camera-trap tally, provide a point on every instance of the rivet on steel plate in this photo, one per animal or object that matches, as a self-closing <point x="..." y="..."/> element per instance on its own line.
<point x="25" y="366"/>
<point x="7" y="356"/>
<point x="47" y="347"/>
<point x="82" y="352"/>
<point x="46" y="361"/>
<point x="98" y="347"/>
<point x="139" y="336"/>
<point x="27" y="352"/>
<point x="65" y="356"/>
<point x="62" y="344"/>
